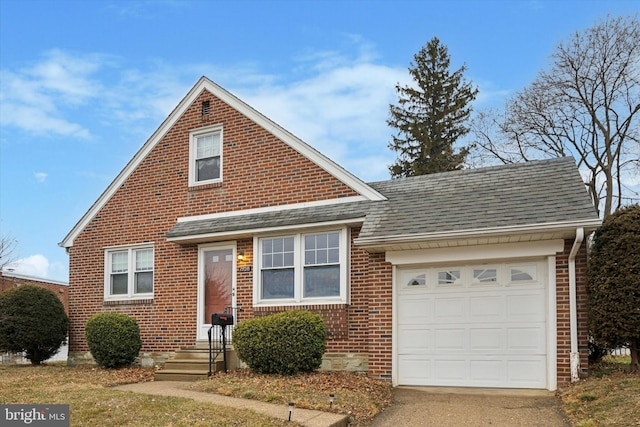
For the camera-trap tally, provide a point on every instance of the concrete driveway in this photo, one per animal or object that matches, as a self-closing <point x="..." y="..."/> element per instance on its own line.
<point x="442" y="407"/>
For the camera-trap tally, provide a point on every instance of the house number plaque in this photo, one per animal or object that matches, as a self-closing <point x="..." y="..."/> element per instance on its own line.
<point x="244" y="269"/>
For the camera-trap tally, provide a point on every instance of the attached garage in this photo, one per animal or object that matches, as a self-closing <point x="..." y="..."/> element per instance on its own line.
<point x="478" y="325"/>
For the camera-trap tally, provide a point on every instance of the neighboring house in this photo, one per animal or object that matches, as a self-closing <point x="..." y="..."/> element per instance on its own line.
<point x="9" y="280"/>
<point x="467" y="278"/>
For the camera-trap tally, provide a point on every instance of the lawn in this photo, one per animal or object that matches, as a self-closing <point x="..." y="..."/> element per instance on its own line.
<point x="609" y="397"/>
<point x="94" y="403"/>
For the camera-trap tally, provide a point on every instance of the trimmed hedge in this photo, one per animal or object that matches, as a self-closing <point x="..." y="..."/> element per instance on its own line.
<point x="113" y="338"/>
<point x="283" y="343"/>
<point x="33" y="320"/>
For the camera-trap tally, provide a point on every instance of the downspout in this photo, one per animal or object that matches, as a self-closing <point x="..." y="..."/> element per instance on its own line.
<point x="573" y="306"/>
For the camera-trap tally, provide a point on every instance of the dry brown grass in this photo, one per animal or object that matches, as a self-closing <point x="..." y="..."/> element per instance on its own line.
<point x="356" y="395"/>
<point x="92" y="401"/>
<point x="609" y="397"/>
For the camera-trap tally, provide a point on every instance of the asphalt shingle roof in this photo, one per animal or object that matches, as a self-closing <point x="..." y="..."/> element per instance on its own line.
<point x="536" y="192"/>
<point x="274" y="219"/>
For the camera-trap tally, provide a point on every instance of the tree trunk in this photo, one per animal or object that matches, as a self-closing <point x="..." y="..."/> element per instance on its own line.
<point x="635" y="355"/>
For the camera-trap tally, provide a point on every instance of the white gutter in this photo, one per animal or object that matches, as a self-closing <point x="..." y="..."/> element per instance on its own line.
<point x="573" y="310"/>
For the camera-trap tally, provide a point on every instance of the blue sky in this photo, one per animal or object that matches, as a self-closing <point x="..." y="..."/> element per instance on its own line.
<point x="83" y="84"/>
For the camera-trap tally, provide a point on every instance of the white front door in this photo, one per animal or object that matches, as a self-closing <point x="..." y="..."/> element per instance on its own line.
<point x="216" y="283"/>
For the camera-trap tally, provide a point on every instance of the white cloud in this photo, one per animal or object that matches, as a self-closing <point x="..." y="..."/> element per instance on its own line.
<point x="340" y="110"/>
<point x="35" y="98"/>
<point x="335" y="101"/>
<point x="39" y="266"/>
<point x="34" y="265"/>
<point x="41" y="176"/>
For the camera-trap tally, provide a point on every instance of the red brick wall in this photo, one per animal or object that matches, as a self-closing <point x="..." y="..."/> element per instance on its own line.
<point x="62" y="291"/>
<point x="563" y="311"/>
<point x="258" y="171"/>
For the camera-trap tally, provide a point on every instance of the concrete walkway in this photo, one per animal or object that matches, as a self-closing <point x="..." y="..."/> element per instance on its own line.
<point x="305" y="417"/>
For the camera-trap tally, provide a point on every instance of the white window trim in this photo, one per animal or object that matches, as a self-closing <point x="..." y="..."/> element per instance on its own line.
<point x="130" y="295"/>
<point x="192" y="154"/>
<point x="345" y="250"/>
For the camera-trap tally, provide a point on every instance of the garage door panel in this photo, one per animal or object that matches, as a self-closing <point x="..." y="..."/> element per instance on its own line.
<point x="416" y="310"/>
<point x="526" y="339"/>
<point x="415" y="340"/>
<point x="451" y="309"/>
<point x="414" y="370"/>
<point x="526" y="306"/>
<point x="450" y="339"/>
<point x="450" y="369"/>
<point x="482" y="340"/>
<point x="490" y="334"/>
<point x="487" y="372"/>
<point x="527" y="372"/>
<point x="486" y="308"/>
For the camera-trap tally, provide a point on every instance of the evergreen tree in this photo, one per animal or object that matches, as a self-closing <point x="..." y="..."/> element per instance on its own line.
<point x="430" y="118"/>
<point x="613" y="282"/>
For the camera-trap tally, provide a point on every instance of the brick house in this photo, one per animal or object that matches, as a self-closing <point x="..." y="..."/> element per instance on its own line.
<point x="9" y="279"/>
<point x="467" y="278"/>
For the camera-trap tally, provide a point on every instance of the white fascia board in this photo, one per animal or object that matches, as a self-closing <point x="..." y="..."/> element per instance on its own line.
<point x="278" y="208"/>
<point x="205" y="84"/>
<point x="476" y="253"/>
<point x="569" y="226"/>
<point x="209" y="237"/>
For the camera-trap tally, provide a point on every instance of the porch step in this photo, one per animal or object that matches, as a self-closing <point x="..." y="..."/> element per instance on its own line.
<point x="193" y="365"/>
<point x="180" y="375"/>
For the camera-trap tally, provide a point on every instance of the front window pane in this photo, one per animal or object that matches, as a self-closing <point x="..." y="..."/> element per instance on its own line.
<point x="322" y="281"/>
<point x="208" y="168"/>
<point x="119" y="284"/>
<point x="208" y="146"/>
<point x="143" y="282"/>
<point x="119" y="262"/>
<point x="322" y="249"/>
<point x="144" y="260"/>
<point x="277" y="284"/>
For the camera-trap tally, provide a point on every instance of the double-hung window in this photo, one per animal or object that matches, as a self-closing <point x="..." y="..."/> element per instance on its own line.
<point x="129" y="273"/>
<point x="205" y="156"/>
<point x="303" y="268"/>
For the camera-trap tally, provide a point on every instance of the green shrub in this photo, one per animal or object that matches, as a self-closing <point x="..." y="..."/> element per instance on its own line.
<point x="33" y="320"/>
<point x="283" y="343"/>
<point x="113" y="338"/>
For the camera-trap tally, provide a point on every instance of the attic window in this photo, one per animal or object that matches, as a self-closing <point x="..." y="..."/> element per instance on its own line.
<point x="205" y="156"/>
<point x="205" y="107"/>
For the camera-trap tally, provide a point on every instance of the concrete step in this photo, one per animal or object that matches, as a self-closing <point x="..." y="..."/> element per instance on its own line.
<point x="180" y="375"/>
<point x="193" y="365"/>
<point x="192" y="354"/>
<point x="187" y="364"/>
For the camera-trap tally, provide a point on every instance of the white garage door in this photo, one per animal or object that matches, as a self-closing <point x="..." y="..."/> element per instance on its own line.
<point x="472" y="325"/>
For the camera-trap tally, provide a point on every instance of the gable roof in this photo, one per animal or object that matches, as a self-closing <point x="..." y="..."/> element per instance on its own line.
<point x="537" y="196"/>
<point x="287" y="137"/>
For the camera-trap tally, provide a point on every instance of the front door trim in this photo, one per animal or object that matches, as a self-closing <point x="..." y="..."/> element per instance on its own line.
<point x="201" y="325"/>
